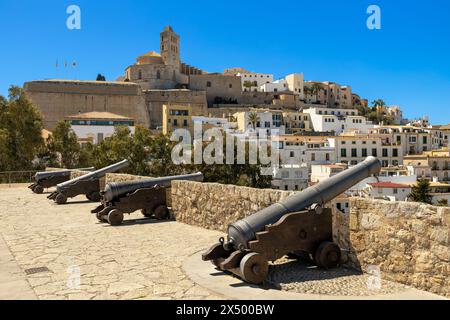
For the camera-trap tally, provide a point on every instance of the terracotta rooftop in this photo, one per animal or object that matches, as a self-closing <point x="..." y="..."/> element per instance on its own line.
<point x="99" y="116"/>
<point x="388" y="185"/>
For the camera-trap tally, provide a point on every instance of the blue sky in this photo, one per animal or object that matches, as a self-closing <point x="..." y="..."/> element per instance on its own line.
<point x="406" y="63"/>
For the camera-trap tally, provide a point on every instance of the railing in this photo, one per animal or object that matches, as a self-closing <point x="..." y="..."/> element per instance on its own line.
<point x="10" y="177"/>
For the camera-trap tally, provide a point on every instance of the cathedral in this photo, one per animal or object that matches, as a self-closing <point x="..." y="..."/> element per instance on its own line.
<point x="162" y="71"/>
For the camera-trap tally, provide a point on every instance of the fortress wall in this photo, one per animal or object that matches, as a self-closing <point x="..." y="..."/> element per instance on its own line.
<point x="57" y="100"/>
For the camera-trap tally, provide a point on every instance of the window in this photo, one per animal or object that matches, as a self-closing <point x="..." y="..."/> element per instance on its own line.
<point x="313" y="157"/>
<point x="395" y="152"/>
<point x="344" y="153"/>
<point x="185" y="123"/>
<point x="354" y="153"/>
<point x="292" y="154"/>
<point x="374" y="153"/>
<point x="425" y="140"/>
<point x="175" y="122"/>
<point x="230" y="86"/>
<point x="327" y="157"/>
<point x="140" y="75"/>
<point x="158" y="75"/>
<point x="385" y="153"/>
<point x="395" y="191"/>
<point x="364" y="153"/>
<point x="208" y="84"/>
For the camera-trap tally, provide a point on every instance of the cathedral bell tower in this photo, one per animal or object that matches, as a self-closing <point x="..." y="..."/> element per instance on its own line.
<point x="170" y="47"/>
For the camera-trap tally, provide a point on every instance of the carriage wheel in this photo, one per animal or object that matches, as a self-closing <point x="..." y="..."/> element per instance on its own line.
<point x="162" y="212"/>
<point x="94" y="196"/>
<point x="254" y="268"/>
<point x="148" y="213"/>
<point x="115" y="217"/>
<point x="328" y="255"/>
<point x="38" y="189"/>
<point x="61" y="199"/>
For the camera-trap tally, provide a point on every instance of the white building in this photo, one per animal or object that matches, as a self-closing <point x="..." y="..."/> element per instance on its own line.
<point x="321" y="172"/>
<point x="94" y="127"/>
<point x="338" y="120"/>
<point x="269" y="121"/>
<point x="275" y="86"/>
<point x="291" y="177"/>
<point x="304" y="149"/>
<point x="388" y="190"/>
<point x="256" y="80"/>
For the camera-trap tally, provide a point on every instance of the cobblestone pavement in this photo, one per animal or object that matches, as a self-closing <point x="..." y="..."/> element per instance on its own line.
<point x="296" y="276"/>
<point x="140" y="260"/>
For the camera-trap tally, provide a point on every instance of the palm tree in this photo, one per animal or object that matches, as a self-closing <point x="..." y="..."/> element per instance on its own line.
<point x="253" y="119"/>
<point x="379" y="103"/>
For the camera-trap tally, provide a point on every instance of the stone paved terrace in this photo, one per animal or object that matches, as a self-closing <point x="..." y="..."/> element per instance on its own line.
<point x="142" y="259"/>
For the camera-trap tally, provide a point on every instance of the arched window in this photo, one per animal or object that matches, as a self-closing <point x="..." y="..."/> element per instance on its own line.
<point x="158" y="75"/>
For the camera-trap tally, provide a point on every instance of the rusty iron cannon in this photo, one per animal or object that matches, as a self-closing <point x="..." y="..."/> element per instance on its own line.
<point x="147" y="195"/>
<point x="88" y="185"/>
<point x="49" y="179"/>
<point x="298" y="226"/>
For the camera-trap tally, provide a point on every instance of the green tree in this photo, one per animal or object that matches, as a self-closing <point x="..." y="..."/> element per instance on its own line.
<point x="100" y="77"/>
<point x="253" y="119"/>
<point x="443" y="203"/>
<point x="379" y="103"/>
<point x="421" y="192"/>
<point x="315" y="90"/>
<point x="248" y="85"/>
<point x="20" y="131"/>
<point x="64" y="143"/>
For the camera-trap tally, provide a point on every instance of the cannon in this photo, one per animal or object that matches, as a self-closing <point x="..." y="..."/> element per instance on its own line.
<point x="299" y="226"/>
<point x="88" y="185"/>
<point x="48" y="179"/>
<point x="147" y="195"/>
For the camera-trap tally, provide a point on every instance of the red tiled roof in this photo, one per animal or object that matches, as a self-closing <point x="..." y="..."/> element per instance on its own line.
<point x="389" y="185"/>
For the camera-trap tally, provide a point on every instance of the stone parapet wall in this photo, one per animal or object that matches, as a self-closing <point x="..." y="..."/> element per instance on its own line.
<point x="119" y="177"/>
<point x="214" y="206"/>
<point x="409" y="242"/>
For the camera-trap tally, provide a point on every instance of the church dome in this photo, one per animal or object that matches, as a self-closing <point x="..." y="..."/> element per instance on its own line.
<point x="150" y="58"/>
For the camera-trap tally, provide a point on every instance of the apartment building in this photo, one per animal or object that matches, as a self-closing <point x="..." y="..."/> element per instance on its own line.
<point x="430" y="165"/>
<point x="413" y="140"/>
<point x="304" y="149"/>
<point x="271" y="121"/>
<point x="251" y="81"/>
<point x="338" y="120"/>
<point x="295" y="83"/>
<point x="388" y="190"/>
<point x="297" y="122"/>
<point x="355" y="148"/>
<point x="331" y="94"/>
<point x="293" y="177"/>
<point x="321" y="172"/>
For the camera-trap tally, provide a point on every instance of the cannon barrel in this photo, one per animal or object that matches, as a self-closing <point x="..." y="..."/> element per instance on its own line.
<point x="95" y="174"/>
<point x="116" y="189"/>
<point x="60" y="173"/>
<point x="243" y="231"/>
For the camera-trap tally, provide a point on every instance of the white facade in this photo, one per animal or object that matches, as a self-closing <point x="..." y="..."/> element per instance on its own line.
<point x="94" y="127"/>
<point x="321" y="173"/>
<point x="270" y="122"/>
<point x="338" y="120"/>
<point x="309" y="153"/>
<point x="389" y="190"/>
<point x="276" y="86"/>
<point x="258" y="80"/>
<point x="291" y="177"/>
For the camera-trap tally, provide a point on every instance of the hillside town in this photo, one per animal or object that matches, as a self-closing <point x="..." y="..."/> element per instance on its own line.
<point x="320" y="128"/>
